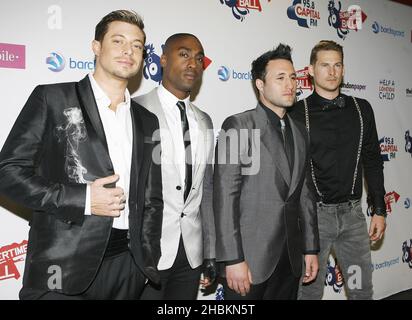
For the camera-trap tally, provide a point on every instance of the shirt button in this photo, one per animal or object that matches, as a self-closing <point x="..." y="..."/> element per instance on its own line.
<point x="178" y="188"/>
<point x="182" y="215"/>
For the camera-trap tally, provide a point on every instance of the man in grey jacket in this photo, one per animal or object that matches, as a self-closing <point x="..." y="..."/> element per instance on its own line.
<point x="264" y="210"/>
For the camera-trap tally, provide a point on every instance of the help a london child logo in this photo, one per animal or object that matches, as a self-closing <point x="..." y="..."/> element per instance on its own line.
<point x="241" y="8"/>
<point x="387" y="89"/>
<point x="12" y="56"/>
<point x="9" y="256"/>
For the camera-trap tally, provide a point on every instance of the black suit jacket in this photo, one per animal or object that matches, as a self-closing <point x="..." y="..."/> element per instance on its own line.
<point x="260" y="204"/>
<point x="56" y="145"/>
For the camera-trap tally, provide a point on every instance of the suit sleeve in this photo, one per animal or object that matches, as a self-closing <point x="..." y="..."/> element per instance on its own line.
<point x="308" y="220"/>
<point x="206" y="206"/>
<point x="226" y="194"/>
<point x="153" y="204"/>
<point x="19" y="162"/>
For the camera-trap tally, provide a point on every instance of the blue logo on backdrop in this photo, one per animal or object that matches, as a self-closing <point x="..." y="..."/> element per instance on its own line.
<point x="375" y="27"/>
<point x="152" y="68"/>
<point x="223" y="73"/>
<point x="408" y="142"/>
<point x="55" y="62"/>
<point x="407" y="203"/>
<point x="407" y="253"/>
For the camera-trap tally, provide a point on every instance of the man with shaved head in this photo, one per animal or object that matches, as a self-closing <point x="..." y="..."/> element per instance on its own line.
<point x="186" y="133"/>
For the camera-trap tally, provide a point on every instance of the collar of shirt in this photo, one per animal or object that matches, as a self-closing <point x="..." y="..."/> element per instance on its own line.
<point x="172" y="114"/>
<point x="102" y="100"/>
<point x="273" y="117"/>
<point x="320" y="102"/>
<point x="169" y="100"/>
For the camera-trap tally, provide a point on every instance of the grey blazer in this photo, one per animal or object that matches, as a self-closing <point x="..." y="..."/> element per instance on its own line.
<point x="258" y="203"/>
<point x="196" y="225"/>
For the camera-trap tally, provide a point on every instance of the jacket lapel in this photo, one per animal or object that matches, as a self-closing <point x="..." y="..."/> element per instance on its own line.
<point x="272" y="142"/>
<point x="201" y="145"/>
<point x="138" y="143"/>
<point x="93" y="123"/>
<point x="156" y="108"/>
<point x="89" y="109"/>
<point x="300" y="153"/>
<point x="200" y="153"/>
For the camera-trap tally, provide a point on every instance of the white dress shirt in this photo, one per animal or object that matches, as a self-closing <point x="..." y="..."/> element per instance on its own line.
<point x="173" y="119"/>
<point x="119" y="136"/>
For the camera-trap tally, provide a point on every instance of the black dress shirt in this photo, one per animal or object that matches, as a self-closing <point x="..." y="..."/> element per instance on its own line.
<point x="274" y="119"/>
<point x="334" y="136"/>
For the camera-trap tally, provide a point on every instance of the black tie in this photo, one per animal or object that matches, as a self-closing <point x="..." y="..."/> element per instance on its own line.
<point x="286" y="143"/>
<point x="188" y="149"/>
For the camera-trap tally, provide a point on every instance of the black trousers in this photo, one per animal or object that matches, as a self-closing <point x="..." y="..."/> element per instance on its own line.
<point x="180" y="282"/>
<point x="281" y="285"/>
<point x="117" y="279"/>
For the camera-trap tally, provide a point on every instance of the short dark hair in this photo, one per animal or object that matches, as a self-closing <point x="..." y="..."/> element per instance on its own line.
<point x="175" y="37"/>
<point x="118" y="15"/>
<point x="259" y="65"/>
<point x="325" y="45"/>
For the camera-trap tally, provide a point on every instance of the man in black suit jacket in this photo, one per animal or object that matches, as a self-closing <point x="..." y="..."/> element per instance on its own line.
<point x="94" y="234"/>
<point x="264" y="209"/>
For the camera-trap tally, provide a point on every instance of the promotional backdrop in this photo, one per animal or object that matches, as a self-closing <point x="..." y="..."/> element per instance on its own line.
<point x="48" y="41"/>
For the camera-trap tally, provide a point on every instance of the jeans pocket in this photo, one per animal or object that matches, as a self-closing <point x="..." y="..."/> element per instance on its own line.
<point x="357" y="211"/>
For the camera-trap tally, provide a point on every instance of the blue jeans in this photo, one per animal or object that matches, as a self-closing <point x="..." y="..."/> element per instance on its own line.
<point x="343" y="227"/>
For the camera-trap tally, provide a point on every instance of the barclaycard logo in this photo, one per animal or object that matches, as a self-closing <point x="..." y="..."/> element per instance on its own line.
<point x="223" y="73"/>
<point x="407" y="203"/>
<point x="55" y="62"/>
<point x="375" y="27"/>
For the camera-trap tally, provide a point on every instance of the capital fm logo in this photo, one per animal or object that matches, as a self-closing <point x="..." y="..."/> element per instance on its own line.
<point x="334" y="277"/>
<point x="56" y="62"/>
<point x="388" y="148"/>
<point x="408" y="142"/>
<point x="304" y="12"/>
<point x="241" y="8"/>
<point x="407" y="252"/>
<point x="152" y="68"/>
<point x="378" y="28"/>
<point x="9" y="256"/>
<point x="390" y="199"/>
<point x="303" y="81"/>
<point x="12" y="56"/>
<point x="344" y="21"/>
